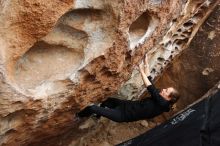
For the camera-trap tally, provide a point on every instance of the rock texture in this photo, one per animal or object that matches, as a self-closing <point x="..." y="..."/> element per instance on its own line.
<point x="193" y="73"/>
<point x="198" y="68"/>
<point x="59" y="56"/>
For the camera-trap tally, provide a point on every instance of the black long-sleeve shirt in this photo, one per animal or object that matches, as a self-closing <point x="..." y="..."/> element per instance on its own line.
<point x="146" y="108"/>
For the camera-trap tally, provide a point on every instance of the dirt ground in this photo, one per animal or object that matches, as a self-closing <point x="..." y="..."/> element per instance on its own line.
<point x="103" y="132"/>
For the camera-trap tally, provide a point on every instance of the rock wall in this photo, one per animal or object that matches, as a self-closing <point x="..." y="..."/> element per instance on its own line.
<point x="198" y="68"/>
<point x="59" y="56"/>
<point x="194" y="72"/>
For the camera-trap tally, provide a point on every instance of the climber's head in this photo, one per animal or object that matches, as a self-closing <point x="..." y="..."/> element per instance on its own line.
<point x="170" y="94"/>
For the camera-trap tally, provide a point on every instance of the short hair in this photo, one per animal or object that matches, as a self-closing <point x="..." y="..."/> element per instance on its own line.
<point x="174" y="96"/>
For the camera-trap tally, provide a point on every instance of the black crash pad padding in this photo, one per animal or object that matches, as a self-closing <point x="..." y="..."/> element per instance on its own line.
<point x="198" y="125"/>
<point x="210" y="131"/>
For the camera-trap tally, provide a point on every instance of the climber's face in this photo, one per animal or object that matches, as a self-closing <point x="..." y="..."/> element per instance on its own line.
<point x="167" y="92"/>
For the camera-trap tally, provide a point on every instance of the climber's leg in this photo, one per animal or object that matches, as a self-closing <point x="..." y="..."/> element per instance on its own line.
<point x="112" y="114"/>
<point x="112" y="103"/>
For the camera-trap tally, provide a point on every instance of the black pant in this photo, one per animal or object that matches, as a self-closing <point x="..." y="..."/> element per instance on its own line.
<point x="112" y="109"/>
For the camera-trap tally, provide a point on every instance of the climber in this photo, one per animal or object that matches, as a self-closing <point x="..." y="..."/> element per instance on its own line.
<point x="127" y="111"/>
